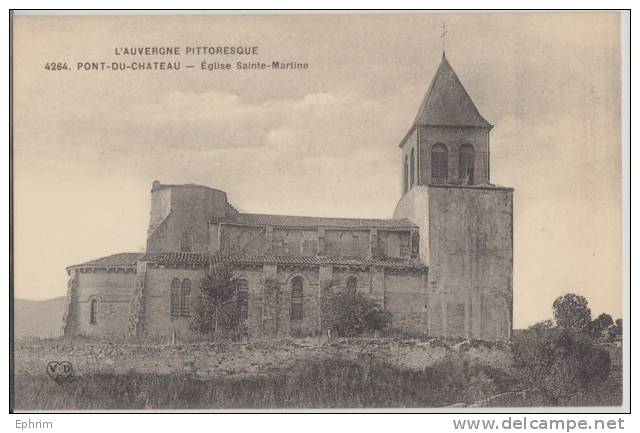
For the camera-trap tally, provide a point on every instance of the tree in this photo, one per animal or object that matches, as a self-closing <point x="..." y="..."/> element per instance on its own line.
<point x="348" y="313"/>
<point x="215" y="308"/>
<point x="599" y="324"/>
<point x="559" y="362"/>
<point x="571" y="311"/>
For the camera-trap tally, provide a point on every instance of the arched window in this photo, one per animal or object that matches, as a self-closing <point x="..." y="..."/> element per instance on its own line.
<point x="175" y="297"/>
<point x="412" y="169"/>
<point x="352" y="283"/>
<point x="405" y="176"/>
<point x="466" y="160"/>
<point x="439" y="163"/>
<point x="243" y="299"/>
<point x="93" y="313"/>
<point x="296" y="299"/>
<point x="185" y="298"/>
<point x="185" y="242"/>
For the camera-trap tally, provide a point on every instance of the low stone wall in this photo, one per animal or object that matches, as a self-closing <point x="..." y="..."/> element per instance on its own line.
<point x="256" y="357"/>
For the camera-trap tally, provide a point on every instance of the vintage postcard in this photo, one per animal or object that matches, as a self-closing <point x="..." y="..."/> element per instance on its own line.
<point x="417" y="211"/>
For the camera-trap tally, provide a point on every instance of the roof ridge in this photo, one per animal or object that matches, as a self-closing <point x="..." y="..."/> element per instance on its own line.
<point x="207" y="258"/>
<point x="429" y="90"/>
<point x="323" y="217"/>
<point x="105" y="262"/>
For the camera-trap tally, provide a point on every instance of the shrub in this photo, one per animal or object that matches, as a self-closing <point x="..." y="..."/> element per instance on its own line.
<point x="559" y="362"/>
<point x="468" y="379"/>
<point x="543" y="325"/>
<point x="348" y="313"/>
<point x="617" y="328"/>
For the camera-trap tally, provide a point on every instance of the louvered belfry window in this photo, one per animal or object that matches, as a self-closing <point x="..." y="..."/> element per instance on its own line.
<point x="439" y="163"/>
<point x="466" y="161"/>
<point x="296" y="299"/>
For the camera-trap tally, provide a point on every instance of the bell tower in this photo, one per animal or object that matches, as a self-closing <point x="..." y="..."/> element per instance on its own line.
<point x="466" y="223"/>
<point x="448" y="142"/>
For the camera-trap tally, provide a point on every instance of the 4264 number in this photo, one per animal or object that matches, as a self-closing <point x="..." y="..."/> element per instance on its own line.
<point x="56" y="66"/>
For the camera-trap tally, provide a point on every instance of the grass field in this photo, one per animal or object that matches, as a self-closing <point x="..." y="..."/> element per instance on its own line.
<point x="333" y="383"/>
<point x="356" y="373"/>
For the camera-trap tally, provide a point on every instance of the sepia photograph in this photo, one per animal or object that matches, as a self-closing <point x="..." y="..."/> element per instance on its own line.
<point x="324" y="211"/>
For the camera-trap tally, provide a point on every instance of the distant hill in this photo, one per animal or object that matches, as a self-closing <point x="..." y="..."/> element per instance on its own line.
<point x="38" y="318"/>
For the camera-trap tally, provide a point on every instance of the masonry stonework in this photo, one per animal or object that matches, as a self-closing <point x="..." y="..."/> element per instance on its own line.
<point x="442" y="265"/>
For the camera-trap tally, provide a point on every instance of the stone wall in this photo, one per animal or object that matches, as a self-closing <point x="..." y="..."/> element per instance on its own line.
<point x="184" y="211"/>
<point x="268" y="315"/>
<point x="112" y="290"/>
<point x="255" y="357"/>
<point x="415" y="207"/>
<point x="470" y="262"/>
<point x="362" y="276"/>
<point x="405" y="297"/>
<point x="229" y="238"/>
<point x="347" y="243"/>
<point x="157" y="300"/>
<point x="70" y="320"/>
<point x="298" y="242"/>
<point x="466" y="240"/>
<point x="393" y="244"/>
<point x="255" y="284"/>
<point x="242" y="240"/>
<point x="270" y="288"/>
<point x="310" y="301"/>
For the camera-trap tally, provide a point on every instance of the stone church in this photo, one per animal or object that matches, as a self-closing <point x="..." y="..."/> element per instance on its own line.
<point x="442" y="265"/>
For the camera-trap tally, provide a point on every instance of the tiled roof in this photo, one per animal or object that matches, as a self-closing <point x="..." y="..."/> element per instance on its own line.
<point x="305" y="221"/>
<point x="115" y="260"/>
<point x="447" y="103"/>
<point x="197" y="258"/>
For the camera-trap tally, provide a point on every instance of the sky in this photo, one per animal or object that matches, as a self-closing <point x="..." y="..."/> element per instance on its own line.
<point x="322" y="141"/>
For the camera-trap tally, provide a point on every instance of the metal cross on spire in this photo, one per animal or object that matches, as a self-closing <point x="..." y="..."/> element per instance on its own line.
<point x="443" y="36"/>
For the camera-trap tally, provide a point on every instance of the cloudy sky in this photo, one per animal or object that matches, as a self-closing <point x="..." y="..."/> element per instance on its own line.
<point x="87" y="145"/>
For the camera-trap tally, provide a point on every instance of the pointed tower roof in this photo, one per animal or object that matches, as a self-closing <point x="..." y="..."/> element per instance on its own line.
<point x="447" y="103"/>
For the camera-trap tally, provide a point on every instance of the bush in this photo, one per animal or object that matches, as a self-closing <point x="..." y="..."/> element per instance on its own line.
<point x="559" y="362"/>
<point x="348" y="313"/>
<point x="468" y="379"/>
<point x="543" y="325"/>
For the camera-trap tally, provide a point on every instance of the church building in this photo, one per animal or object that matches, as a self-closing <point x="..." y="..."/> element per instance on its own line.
<point x="442" y="265"/>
